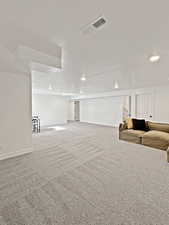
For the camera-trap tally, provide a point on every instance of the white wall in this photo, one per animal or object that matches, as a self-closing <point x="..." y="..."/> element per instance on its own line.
<point x="15" y="114"/>
<point x="51" y="109"/>
<point x="160" y="99"/>
<point x="161" y="105"/>
<point x="105" y="111"/>
<point x="16" y="93"/>
<point x="91" y="104"/>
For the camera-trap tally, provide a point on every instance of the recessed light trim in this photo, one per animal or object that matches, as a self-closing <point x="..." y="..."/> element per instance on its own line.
<point x="116" y="85"/>
<point x="50" y="87"/>
<point x="154" y="58"/>
<point x="83" y="78"/>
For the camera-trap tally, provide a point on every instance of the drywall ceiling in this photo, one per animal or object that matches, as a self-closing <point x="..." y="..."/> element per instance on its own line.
<point x="116" y="53"/>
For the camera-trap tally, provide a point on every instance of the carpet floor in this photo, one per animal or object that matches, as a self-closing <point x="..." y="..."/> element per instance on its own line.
<point x="80" y="174"/>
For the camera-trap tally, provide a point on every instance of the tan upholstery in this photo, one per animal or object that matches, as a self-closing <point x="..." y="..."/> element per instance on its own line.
<point x="132" y="135"/>
<point x="129" y="123"/>
<point x="168" y="155"/>
<point x="159" y="126"/>
<point x="123" y="126"/>
<point x="156" y="139"/>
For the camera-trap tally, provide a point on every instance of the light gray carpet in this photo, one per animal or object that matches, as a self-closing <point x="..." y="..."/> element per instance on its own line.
<point x="84" y="176"/>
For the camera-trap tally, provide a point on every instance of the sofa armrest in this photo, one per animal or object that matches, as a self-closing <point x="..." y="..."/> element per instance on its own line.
<point x="168" y="155"/>
<point x="122" y="127"/>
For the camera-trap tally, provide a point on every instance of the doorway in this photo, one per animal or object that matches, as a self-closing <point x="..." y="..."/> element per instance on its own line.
<point x="77" y="111"/>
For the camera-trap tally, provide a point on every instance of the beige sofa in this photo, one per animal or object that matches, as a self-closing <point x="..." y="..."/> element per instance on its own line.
<point x="157" y="135"/>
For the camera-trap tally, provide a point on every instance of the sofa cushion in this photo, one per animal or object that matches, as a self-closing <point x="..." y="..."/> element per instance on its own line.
<point x="137" y="133"/>
<point x="132" y="135"/>
<point x="158" y="126"/>
<point x="129" y="123"/>
<point x="156" y="139"/>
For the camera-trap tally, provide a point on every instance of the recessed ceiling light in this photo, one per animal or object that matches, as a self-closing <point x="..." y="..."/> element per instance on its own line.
<point x="116" y="85"/>
<point x="81" y="92"/>
<point x="154" y="58"/>
<point x="50" y="87"/>
<point x="83" y="78"/>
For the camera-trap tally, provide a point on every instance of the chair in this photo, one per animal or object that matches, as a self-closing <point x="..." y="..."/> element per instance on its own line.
<point x="36" y="124"/>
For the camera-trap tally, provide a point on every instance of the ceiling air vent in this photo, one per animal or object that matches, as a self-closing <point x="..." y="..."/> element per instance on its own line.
<point x="93" y="26"/>
<point x="100" y="22"/>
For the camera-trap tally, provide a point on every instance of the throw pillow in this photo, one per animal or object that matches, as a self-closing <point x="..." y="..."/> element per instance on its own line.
<point x="129" y="123"/>
<point x="139" y="125"/>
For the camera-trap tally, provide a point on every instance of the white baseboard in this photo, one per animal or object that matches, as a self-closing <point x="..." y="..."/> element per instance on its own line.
<point x="101" y="124"/>
<point x="16" y="153"/>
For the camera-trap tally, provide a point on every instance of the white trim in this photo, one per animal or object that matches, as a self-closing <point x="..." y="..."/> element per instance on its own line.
<point x="50" y="92"/>
<point x="16" y="153"/>
<point x="120" y="92"/>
